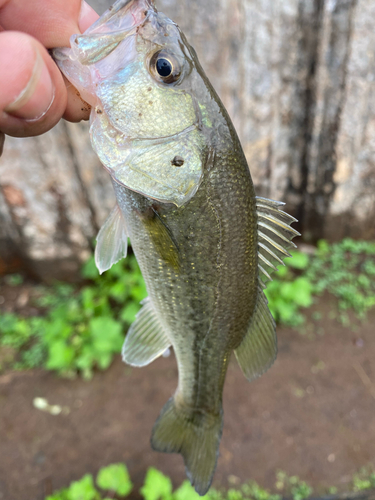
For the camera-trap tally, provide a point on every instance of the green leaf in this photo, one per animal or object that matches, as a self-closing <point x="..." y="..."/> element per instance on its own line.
<point x="60" y="356"/>
<point x="59" y="495"/>
<point x="83" y="489"/>
<point x="89" y="269"/>
<point x="115" y="478"/>
<point x="299" y="260"/>
<point x="233" y="494"/>
<point x="187" y="492"/>
<point x="303" y="292"/>
<point x="129" y="313"/>
<point x="157" y="486"/>
<point x="118" y="290"/>
<point x="301" y="491"/>
<point x="139" y="292"/>
<point x="106" y="334"/>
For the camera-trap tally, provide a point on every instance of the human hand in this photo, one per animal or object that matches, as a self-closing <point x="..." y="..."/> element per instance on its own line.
<point x="33" y="93"/>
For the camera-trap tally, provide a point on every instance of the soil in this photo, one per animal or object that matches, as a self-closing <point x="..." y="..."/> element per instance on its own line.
<point x="311" y="415"/>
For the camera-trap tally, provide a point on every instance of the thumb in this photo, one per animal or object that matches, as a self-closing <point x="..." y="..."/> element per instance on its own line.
<point x="32" y="92"/>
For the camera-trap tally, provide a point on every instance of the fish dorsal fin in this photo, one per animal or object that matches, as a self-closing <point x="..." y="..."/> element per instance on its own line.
<point x="112" y="241"/>
<point x="146" y="339"/>
<point x="274" y="236"/>
<point x="258" y="349"/>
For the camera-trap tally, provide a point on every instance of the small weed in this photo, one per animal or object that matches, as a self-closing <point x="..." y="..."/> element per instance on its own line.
<point x="78" y="329"/>
<point x="292" y="486"/>
<point x="345" y="270"/>
<point x="288" y="293"/>
<point x="14" y="279"/>
<point x="364" y="479"/>
<point x="114" y="481"/>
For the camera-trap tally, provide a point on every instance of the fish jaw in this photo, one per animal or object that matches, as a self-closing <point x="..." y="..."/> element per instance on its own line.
<point x="77" y="63"/>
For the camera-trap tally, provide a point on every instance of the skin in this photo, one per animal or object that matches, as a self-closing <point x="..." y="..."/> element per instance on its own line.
<point x="34" y="96"/>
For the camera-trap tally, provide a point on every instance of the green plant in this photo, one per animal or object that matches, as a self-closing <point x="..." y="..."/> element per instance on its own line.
<point x="288" y="293"/>
<point x="293" y="485"/>
<point x="114" y="480"/>
<point x="77" y="329"/>
<point x="364" y="479"/>
<point x="157" y="486"/>
<point x="345" y="270"/>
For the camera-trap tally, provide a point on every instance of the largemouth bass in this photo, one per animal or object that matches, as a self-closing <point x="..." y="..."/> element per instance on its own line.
<point x="204" y="242"/>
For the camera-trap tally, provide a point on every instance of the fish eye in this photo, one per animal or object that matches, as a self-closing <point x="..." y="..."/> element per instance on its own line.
<point x="165" y="67"/>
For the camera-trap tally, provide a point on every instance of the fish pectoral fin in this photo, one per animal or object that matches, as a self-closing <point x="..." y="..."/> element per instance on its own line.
<point x="274" y="236"/>
<point x="194" y="434"/>
<point x="258" y="349"/>
<point x="146" y="339"/>
<point x="112" y="241"/>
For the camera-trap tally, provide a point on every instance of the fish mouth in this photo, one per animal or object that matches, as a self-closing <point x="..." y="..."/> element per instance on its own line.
<point x="120" y="21"/>
<point x="137" y="10"/>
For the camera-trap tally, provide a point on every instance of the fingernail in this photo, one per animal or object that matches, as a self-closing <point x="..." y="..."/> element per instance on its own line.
<point x="86" y="17"/>
<point x="36" y="98"/>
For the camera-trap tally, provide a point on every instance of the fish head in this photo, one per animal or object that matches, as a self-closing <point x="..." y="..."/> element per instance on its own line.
<point x="136" y="69"/>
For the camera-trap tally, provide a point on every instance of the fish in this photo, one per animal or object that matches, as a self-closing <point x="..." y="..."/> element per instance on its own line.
<point x="205" y="243"/>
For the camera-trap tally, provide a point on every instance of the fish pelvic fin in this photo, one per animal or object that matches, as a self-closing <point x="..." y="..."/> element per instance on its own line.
<point x="195" y="435"/>
<point x="146" y="339"/>
<point x="274" y="236"/>
<point x="258" y="349"/>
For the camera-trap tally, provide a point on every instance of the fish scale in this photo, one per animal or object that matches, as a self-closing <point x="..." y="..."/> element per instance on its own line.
<point x="206" y="245"/>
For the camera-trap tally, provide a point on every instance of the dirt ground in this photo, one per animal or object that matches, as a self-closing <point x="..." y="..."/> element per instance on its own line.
<point x="312" y="415"/>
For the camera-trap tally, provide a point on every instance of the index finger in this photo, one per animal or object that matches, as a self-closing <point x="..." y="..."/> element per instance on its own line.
<point x="51" y="23"/>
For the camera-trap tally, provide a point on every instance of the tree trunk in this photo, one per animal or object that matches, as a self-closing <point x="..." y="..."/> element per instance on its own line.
<point x="297" y="78"/>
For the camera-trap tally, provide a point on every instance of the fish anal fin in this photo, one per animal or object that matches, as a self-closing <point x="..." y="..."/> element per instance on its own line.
<point x="112" y="241"/>
<point x="146" y="339"/>
<point x="258" y="349"/>
<point x="195" y="435"/>
<point x="274" y="236"/>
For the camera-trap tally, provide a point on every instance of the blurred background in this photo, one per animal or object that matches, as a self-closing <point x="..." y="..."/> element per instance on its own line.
<point x="298" y="79"/>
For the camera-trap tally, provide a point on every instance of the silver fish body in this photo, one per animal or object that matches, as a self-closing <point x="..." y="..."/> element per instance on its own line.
<point x="185" y="197"/>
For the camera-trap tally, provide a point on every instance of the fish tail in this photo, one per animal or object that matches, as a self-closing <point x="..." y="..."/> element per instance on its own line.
<point x="195" y="435"/>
